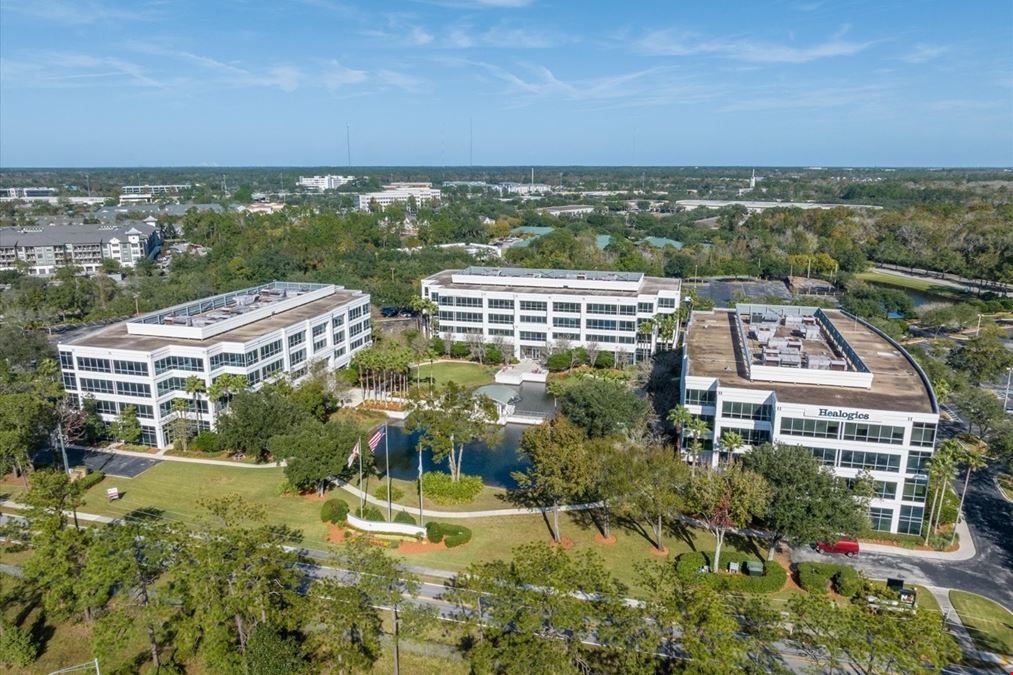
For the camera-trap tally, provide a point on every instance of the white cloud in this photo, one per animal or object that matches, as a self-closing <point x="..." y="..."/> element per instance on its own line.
<point x="670" y="42"/>
<point x="336" y="76"/>
<point x="923" y="52"/>
<point x="480" y="4"/>
<point x="805" y="96"/>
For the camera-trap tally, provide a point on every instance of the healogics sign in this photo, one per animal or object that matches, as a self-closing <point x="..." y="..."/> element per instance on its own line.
<point x="843" y="414"/>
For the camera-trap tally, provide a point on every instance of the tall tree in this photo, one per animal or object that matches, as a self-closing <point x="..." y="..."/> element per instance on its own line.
<point x="654" y="487"/>
<point x="127" y="428"/>
<point x="731" y="441"/>
<point x="807" y="501"/>
<point x="983" y="357"/>
<point x="449" y="417"/>
<point x="726" y="499"/>
<point x="942" y="470"/>
<point x="561" y="466"/>
<point x="348" y="632"/>
<point x="602" y="408"/>
<point x="679" y="416"/>
<point x="315" y="452"/>
<point x="695" y="429"/>
<point x="254" y="417"/>
<point x="195" y="386"/>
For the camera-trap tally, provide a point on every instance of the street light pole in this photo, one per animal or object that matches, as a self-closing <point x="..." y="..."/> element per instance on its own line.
<point x="1005" y="400"/>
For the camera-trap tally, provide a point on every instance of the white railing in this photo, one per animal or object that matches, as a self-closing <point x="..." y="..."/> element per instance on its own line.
<point x="386" y="528"/>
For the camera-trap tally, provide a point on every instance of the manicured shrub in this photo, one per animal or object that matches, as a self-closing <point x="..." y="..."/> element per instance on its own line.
<point x="848" y="581"/>
<point x="369" y="512"/>
<point x="604" y="360"/>
<point x="404" y="518"/>
<point x="558" y="361"/>
<point x="816" y="577"/>
<point x="493" y="354"/>
<point x="450" y="534"/>
<point x="205" y="441"/>
<point x="460" y="350"/>
<point x="438" y="487"/>
<point x="688" y="565"/>
<point x="438" y="345"/>
<point x="380" y="492"/>
<point x="334" y="511"/>
<point x="90" y="480"/>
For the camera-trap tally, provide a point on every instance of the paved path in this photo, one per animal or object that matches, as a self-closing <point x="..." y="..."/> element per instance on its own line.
<point x="186" y="460"/>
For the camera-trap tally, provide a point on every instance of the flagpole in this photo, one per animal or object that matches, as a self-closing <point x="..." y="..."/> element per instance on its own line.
<point x="422" y="520"/>
<point x="362" y="491"/>
<point x="386" y="454"/>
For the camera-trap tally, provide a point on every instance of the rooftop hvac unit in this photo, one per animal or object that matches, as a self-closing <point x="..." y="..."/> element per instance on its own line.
<point x="791" y="359"/>
<point x="818" y="362"/>
<point x="793" y="321"/>
<point x="813" y="333"/>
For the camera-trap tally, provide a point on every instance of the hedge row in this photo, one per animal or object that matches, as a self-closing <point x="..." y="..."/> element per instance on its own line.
<point x="404" y="518"/>
<point x="440" y="488"/>
<point x="451" y="535"/>
<point x="89" y="480"/>
<point x="773" y="579"/>
<point x="380" y="492"/>
<point x="816" y="577"/>
<point x="368" y="512"/>
<point x="334" y="511"/>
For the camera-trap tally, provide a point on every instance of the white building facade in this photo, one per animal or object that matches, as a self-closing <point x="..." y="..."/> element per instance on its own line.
<point x="854" y="397"/>
<point x="321" y="183"/>
<point x="400" y="193"/>
<point x="262" y="333"/>
<point x="43" y="249"/>
<point x="535" y="312"/>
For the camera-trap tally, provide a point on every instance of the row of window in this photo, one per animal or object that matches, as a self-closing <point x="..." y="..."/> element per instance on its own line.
<point x="105" y="407"/>
<point x="188" y="363"/>
<point x="746" y="411"/>
<point x="700" y="396"/>
<point x="224" y="359"/>
<point x="94" y="386"/>
<point x="853" y="431"/>
<point x="296" y="339"/>
<point x="356" y="312"/>
<point x="621" y="339"/>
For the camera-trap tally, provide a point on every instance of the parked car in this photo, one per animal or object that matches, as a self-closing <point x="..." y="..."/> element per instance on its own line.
<point x="388" y="311"/>
<point x="848" y="547"/>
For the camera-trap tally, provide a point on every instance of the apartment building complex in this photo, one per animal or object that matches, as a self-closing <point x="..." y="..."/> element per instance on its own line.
<point x="400" y="193"/>
<point x="321" y="183"/>
<point x="822" y="379"/>
<point x="535" y="311"/>
<point x="263" y="333"/>
<point x="44" y="248"/>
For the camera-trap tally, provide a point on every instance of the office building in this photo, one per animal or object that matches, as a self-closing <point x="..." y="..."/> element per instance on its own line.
<point x="262" y="333"/>
<point x="322" y="183"/>
<point x="44" y="248"/>
<point x="27" y="192"/>
<point x="536" y="311"/>
<point x="400" y="193"/>
<point x="822" y="379"/>
<point x="154" y="190"/>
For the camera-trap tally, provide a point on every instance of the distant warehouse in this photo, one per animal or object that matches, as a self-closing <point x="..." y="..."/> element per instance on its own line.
<point x="261" y="333"/>
<point x="42" y="249"/>
<point x="820" y="379"/>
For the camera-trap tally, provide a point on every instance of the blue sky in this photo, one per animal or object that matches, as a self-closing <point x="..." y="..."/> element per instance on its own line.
<point x="250" y="82"/>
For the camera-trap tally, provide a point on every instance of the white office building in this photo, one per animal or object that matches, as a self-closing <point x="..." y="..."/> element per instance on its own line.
<point x="152" y="190"/>
<point x="27" y="192"/>
<point x="536" y="311"/>
<point x="263" y="333"/>
<point x="822" y="379"/>
<point x="525" y="188"/>
<point x="321" y="183"/>
<point x="400" y="193"/>
<point x="44" y="248"/>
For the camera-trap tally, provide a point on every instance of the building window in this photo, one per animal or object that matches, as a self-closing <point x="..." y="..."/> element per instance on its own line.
<point x="873" y="433"/>
<point x="298" y="356"/>
<point x="873" y="461"/>
<point x="359" y="328"/>
<point x="918" y="462"/>
<point x="134" y="389"/>
<point x="273" y="367"/>
<point x="227" y="359"/>
<point x="144" y="411"/>
<point x="565" y="322"/>
<point x="915" y="490"/>
<point x="923" y="434"/>
<point x="188" y="363"/>
<point x="339" y="337"/>
<point x="66" y="360"/>
<point x="627" y="310"/>
<point x="93" y="365"/>
<point x="567" y="307"/>
<point x="169" y="384"/>
<point x="532" y="336"/>
<point x="880" y="519"/>
<point x="148" y="435"/>
<point x="500" y="303"/>
<point x="338" y="321"/>
<point x="700" y="396"/>
<point x="96" y="386"/>
<point x="502" y="332"/>
<point x="645" y="307"/>
<point x="501" y="318"/>
<point x="296" y="339"/>
<point x="565" y="336"/>
<point x="69" y="381"/>
<point x="745" y="411"/>
<point x="627" y="326"/>
<point x="469" y="302"/>
<point x="528" y="318"/>
<point x="340" y="351"/>
<point x="105" y="407"/>
<point x="598" y="308"/>
<point x="599" y="324"/>
<point x="139" y="368"/>
<point x="253" y="378"/>
<point x="752" y="437"/>
<point x="356" y="344"/>
<point x="319" y="329"/>
<point x="359" y="310"/>
<point x="601" y="338"/>
<point x="469" y="317"/>
<point x="910" y="521"/>
<point x="533" y="306"/>
<point x="666" y="303"/>
<point x="797" y="426"/>
<point x="269" y="350"/>
<point x="826" y="456"/>
<point x="319" y="345"/>
<point x="885" y="489"/>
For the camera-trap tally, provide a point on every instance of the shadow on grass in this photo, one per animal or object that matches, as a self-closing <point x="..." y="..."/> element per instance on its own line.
<point x="746" y="545"/>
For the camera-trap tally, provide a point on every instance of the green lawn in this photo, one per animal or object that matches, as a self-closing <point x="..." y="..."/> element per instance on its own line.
<point x="463" y="373"/>
<point x="989" y="623"/>
<point x="919" y="284"/>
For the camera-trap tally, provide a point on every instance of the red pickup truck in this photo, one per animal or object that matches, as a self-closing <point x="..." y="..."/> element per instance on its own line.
<point x="848" y="547"/>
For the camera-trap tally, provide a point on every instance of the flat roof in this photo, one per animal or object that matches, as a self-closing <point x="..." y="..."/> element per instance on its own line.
<point x="541" y="273"/>
<point x="648" y="285"/>
<point x="116" y="336"/>
<point x="61" y="232"/>
<point x="711" y="348"/>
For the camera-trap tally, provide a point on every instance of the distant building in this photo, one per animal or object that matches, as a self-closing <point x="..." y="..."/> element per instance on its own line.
<point x="262" y="333"/>
<point x="534" y="310"/>
<point x="571" y="211"/>
<point x="321" y="183"/>
<point x="400" y="193"/>
<point x="525" y="188"/>
<point x="261" y="207"/>
<point x="756" y="206"/>
<point x="45" y="248"/>
<point x="153" y="189"/>
<point x="27" y="192"/>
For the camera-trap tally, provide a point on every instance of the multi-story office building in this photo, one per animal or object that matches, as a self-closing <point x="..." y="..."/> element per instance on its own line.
<point x="536" y="310"/>
<point x="44" y="248"/>
<point x="321" y="183"/>
<point x="262" y="333"/>
<point x="400" y="193"/>
<point x="27" y="192"/>
<point x="822" y="379"/>
<point x="152" y="190"/>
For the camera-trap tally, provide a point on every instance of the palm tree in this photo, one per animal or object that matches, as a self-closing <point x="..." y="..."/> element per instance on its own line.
<point x="696" y="428"/>
<point x="180" y="425"/>
<point x="973" y="460"/>
<point x="732" y="441"/>
<point x="646" y="328"/>
<point x="941" y="471"/>
<point x="666" y="328"/>
<point x="679" y="416"/>
<point x="195" y="386"/>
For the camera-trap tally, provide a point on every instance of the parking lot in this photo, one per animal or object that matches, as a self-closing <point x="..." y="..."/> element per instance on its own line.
<point x="108" y="463"/>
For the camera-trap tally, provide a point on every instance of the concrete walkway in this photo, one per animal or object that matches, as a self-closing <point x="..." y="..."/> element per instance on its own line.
<point x="186" y="460"/>
<point x="965" y="549"/>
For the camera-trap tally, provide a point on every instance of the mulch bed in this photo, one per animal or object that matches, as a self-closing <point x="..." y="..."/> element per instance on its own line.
<point x="408" y="546"/>
<point x="599" y="539"/>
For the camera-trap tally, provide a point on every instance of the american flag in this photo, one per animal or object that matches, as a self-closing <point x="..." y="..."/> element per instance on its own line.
<point x="355" y="453"/>
<point x="375" y="439"/>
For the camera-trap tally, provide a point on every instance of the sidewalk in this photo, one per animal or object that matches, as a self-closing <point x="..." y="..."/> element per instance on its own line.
<point x="965" y="550"/>
<point x="174" y="458"/>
